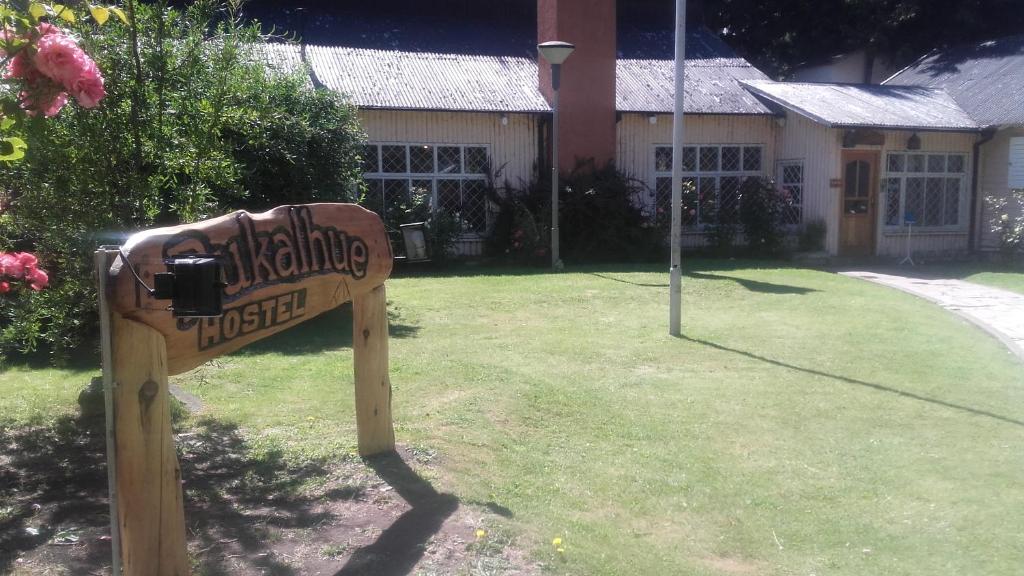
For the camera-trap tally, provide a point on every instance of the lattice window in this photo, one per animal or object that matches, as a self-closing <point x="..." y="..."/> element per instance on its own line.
<point x="751" y="158"/>
<point x="791" y="181"/>
<point x="731" y="158"/>
<point x="927" y="187"/>
<point x="712" y="178"/>
<point x="421" y="159"/>
<point x="449" y="160"/>
<point x="476" y="160"/>
<point x="450" y="178"/>
<point x="891" y="186"/>
<point x="393" y="159"/>
<point x="371" y="158"/>
<point x="663" y="159"/>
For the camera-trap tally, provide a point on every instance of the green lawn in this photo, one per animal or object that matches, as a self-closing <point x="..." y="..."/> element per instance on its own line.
<point x="997" y="277"/>
<point x="807" y="423"/>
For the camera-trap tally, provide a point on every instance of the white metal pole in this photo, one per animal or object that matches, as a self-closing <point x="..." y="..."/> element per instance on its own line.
<point x="104" y="258"/>
<point x="556" y="261"/>
<point x="675" y="238"/>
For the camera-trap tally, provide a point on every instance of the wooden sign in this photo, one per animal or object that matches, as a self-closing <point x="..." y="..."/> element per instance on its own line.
<point x="282" y="267"/>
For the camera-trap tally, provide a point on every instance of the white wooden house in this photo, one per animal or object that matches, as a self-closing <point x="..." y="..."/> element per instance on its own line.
<point x="860" y="158"/>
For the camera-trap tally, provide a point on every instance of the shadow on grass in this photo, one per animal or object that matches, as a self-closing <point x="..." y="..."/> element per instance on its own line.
<point x="53" y="482"/>
<point x="400" y="546"/>
<point x="331" y="330"/>
<point x="755" y="285"/>
<point x="847" y="380"/>
<point x="752" y="285"/>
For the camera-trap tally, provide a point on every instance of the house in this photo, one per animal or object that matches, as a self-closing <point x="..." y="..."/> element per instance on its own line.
<point x="860" y="158"/>
<point x="857" y="67"/>
<point x="985" y="79"/>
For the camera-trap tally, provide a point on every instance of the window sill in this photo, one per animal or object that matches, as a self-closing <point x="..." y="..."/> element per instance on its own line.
<point x="925" y="232"/>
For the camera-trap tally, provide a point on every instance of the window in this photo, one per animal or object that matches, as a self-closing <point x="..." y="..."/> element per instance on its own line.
<point x="1016" y="175"/>
<point x="791" y="181"/>
<point x="712" y="176"/>
<point x="928" y="188"/>
<point x="454" y="178"/>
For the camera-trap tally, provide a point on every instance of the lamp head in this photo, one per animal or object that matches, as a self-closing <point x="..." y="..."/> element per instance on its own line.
<point x="555" y="51"/>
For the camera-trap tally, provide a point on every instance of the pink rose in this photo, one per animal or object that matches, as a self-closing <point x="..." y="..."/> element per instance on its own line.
<point x="38" y="279"/>
<point x="48" y="99"/>
<point x="88" y="87"/>
<point x="5" y="287"/>
<point x="45" y="28"/>
<point x="27" y="259"/>
<point x="20" y="67"/>
<point x="59" y="58"/>
<point x="11" y="266"/>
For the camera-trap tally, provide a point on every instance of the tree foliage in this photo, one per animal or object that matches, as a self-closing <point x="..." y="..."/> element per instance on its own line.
<point x="193" y="125"/>
<point x="779" y="35"/>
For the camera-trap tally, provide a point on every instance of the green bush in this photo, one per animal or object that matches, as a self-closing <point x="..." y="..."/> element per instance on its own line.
<point x="762" y="209"/>
<point x="812" y="236"/>
<point x="1008" y="224"/>
<point x="193" y="126"/>
<point x="600" y="219"/>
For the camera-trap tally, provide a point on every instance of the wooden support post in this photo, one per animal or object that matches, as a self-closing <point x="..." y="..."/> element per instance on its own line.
<point x="373" y="386"/>
<point x="150" y="509"/>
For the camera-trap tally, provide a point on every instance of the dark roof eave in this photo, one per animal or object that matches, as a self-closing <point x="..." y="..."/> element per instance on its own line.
<point x="964" y="129"/>
<point x="466" y="110"/>
<point x="770" y="114"/>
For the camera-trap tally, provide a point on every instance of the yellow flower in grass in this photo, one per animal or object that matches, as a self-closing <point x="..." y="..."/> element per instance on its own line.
<point x="480" y="533"/>
<point x="557" y="542"/>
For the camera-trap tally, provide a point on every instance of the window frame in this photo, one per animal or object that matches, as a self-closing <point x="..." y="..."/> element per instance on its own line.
<point x="902" y="176"/>
<point x="780" y="182"/>
<point x="434" y="177"/>
<point x="697" y="174"/>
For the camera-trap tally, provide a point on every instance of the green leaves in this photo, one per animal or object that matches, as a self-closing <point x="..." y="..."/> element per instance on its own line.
<point x="12" y="148"/>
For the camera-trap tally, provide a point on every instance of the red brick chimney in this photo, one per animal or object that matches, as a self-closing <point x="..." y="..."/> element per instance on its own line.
<point x="587" y="93"/>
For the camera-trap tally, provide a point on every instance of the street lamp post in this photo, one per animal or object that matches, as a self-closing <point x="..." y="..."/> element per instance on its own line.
<point x="555" y="52"/>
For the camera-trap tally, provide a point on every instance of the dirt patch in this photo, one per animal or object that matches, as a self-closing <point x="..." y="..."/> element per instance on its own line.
<point x="247" y="513"/>
<point x="733" y="566"/>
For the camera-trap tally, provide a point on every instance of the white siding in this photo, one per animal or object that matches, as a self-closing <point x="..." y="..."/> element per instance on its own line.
<point x="637" y="137"/>
<point x="513" y="145"/>
<point x="994" y="181"/>
<point x="820" y="148"/>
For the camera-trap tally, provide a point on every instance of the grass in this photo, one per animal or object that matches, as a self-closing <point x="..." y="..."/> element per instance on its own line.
<point x="1011" y="279"/>
<point x="805" y="423"/>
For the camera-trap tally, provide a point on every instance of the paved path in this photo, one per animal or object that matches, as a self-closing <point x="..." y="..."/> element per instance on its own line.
<point x="998" y="312"/>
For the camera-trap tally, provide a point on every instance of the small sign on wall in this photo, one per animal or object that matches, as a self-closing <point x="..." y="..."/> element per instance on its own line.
<point x="836" y="183"/>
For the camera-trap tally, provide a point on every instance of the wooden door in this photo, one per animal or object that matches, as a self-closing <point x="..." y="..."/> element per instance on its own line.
<point x="857" y="201"/>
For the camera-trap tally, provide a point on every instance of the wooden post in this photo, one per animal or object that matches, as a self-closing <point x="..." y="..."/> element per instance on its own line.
<point x="373" y="386"/>
<point x="150" y="509"/>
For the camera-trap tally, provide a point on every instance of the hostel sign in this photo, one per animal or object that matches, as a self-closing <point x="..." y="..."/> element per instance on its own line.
<point x="281" y="267"/>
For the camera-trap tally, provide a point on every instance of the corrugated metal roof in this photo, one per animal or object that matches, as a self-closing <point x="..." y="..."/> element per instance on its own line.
<point x="985" y="79"/>
<point x="712" y="86"/>
<point x="867" y="105"/>
<point x="427" y="81"/>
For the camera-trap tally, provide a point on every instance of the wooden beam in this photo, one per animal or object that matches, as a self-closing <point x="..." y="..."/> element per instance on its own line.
<point x="373" y="386"/>
<point x="150" y="509"/>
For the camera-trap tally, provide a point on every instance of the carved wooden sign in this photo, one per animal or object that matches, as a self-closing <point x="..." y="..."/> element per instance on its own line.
<point x="282" y="267"/>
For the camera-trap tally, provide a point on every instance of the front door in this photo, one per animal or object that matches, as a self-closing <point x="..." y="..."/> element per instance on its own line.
<point x="857" y="202"/>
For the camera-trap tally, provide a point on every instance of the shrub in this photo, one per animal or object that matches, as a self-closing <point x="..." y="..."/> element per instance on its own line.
<point x="192" y="127"/>
<point x="600" y="219"/>
<point x="1008" y="223"/>
<point x="812" y="236"/>
<point x="762" y="208"/>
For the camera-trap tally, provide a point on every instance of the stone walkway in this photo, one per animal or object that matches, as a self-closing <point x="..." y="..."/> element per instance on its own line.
<point x="998" y="312"/>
